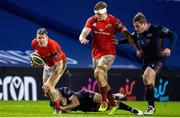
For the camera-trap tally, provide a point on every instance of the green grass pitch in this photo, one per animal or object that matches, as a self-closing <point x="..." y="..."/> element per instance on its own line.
<point x="42" y="109"/>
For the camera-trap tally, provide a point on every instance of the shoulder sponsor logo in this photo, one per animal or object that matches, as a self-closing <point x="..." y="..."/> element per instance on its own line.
<point x="108" y="26"/>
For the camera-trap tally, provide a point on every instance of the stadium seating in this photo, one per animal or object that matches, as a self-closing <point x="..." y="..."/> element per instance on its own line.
<point x="64" y="20"/>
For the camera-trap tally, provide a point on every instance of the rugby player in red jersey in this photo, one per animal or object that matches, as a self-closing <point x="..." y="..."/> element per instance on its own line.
<point x="55" y="63"/>
<point x="103" y="27"/>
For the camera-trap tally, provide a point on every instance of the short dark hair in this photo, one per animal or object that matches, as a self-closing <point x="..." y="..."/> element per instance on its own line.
<point x="42" y="31"/>
<point x="100" y="5"/>
<point x="140" y="18"/>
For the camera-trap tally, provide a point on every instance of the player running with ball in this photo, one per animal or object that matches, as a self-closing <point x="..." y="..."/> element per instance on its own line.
<point x="55" y="63"/>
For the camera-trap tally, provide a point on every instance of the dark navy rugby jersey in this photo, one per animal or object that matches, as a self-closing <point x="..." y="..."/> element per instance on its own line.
<point x="85" y="98"/>
<point x="151" y="41"/>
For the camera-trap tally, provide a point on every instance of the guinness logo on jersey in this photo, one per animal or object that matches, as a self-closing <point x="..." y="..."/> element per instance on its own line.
<point x="108" y="26"/>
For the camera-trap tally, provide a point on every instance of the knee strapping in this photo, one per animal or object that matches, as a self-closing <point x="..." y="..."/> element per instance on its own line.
<point x="99" y="70"/>
<point x="100" y="74"/>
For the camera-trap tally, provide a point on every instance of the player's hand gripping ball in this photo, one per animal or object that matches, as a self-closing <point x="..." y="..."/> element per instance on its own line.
<point x="36" y="59"/>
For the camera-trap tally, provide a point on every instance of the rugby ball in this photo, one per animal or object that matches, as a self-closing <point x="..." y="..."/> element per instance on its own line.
<point x="36" y="58"/>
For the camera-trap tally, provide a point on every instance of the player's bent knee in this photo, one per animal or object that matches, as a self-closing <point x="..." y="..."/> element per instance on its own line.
<point x="103" y="83"/>
<point x="52" y="90"/>
<point x="146" y="81"/>
<point x="99" y="71"/>
<point x="100" y="76"/>
<point x="47" y="88"/>
<point x="145" y="76"/>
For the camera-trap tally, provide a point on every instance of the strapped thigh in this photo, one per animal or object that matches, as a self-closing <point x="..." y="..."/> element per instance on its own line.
<point x="104" y="60"/>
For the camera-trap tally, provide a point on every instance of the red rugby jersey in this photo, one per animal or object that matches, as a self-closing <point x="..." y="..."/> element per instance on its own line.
<point x="51" y="53"/>
<point x="102" y="33"/>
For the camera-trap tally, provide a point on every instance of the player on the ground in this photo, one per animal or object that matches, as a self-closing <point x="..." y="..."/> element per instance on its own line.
<point x="55" y="63"/>
<point x="103" y="27"/>
<point x="85" y="100"/>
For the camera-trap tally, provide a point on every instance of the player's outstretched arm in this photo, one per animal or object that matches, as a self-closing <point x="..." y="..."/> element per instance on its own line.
<point x="165" y="32"/>
<point x="121" y="41"/>
<point x="83" y="36"/>
<point x="74" y="103"/>
<point x="131" y="40"/>
<point x="129" y="37"/>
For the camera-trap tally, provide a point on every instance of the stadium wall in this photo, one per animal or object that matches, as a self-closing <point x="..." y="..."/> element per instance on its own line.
<point x="17" y="83"/>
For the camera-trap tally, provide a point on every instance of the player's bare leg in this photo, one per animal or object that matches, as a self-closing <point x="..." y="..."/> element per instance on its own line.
<point x="149" y="80"/>
<point x="99" y="73"/>
<point x="97" y="98"/>
<point x="110" y="96"/>
<point x="54" y="93"/>
<point x="102" y="65"/>
<point x="109" y="59"/>
<point x="49" y="88"/>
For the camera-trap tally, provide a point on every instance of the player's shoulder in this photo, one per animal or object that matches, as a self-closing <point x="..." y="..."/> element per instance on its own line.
<point x="160" y="28"/>
<point x="112" y="17"/>
<point x="156" y="26"/>
<point x="92" y="19"/>
<point x="34" y="42"/>
<point x="52" y="42"/>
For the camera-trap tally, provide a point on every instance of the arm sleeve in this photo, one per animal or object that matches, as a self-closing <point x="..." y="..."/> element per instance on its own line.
<point x="125" y="41"/>
<point x="56" y="52"/>
<point x="165" y="32"/>
<point x="89" y="23"/>
<point x="33" y="44"/>
<point x="118" y="25"/>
